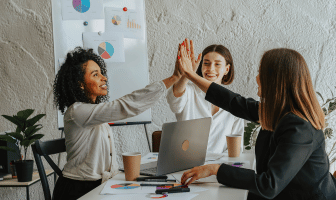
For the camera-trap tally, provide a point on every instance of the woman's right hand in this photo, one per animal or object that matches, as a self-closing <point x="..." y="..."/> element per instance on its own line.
<point x="190" y="50"/>
<point x="195" y="62"/>
<point x="185" y="61"/>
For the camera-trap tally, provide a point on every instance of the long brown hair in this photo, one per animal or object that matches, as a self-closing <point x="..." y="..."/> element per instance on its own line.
<point x="286" y="86"/>
<point x="223" y="51"/>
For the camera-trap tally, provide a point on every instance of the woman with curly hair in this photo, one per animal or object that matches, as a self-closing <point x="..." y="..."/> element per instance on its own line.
<point x="80" y="91"/>
<point x="291" y="161"/>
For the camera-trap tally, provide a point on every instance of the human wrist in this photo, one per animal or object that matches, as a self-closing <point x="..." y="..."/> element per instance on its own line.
<point x="174" y="78"/>
<point x="170" y="81"/>
<point x="215" y="169"/>
<point x="190" y="74"/>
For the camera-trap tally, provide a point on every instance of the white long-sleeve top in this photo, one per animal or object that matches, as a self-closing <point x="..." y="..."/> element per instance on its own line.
<point x="192" y="105"/>
<point x="90" y="148"/>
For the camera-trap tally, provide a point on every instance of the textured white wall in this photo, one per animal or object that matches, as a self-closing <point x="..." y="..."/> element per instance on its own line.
<point x="246" y="27"/>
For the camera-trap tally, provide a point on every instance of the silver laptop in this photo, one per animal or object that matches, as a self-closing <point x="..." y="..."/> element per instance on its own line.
<point x="183" y="146"/>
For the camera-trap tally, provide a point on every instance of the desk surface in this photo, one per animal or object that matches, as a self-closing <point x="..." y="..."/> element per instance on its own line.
<point x="10" y="182"/>
<point x="215" y="190"/>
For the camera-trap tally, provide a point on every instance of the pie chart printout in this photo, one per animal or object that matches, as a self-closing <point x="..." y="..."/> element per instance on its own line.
<point x="125" y="186"/>
<point x="116" y="20"/>
<point x="81" y="6"/>
<point x="105" y="50"/>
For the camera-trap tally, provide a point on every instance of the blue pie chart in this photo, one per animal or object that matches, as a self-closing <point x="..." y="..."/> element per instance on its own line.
<point x="81" y="6"/>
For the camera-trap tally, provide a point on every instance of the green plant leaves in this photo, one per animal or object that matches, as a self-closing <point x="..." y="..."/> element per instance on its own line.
<point x="328" y="133"/>
<point x="16" y="135"/>
<point x="35" y="137"/>
<point x="13" y="119"/>
<point x="33" y="120"/>
<point x="248" y="130"/>
<point x="31" y="140"/>
<point x="7" y="139"/>
<point x="25" y="130"/>
<point x="24" y="114"/>
<point x="332" y="107"/>
<point x="32" y="129"/>
<point x="320" y="95"/>
<point x="325" y="111"/>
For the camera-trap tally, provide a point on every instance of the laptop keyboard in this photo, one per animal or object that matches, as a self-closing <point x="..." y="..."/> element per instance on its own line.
<point x="150" y="170"/>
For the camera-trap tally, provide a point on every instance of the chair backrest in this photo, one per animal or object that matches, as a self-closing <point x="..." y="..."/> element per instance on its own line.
<point x="156" y="138"/>
<point x="45" y="149"/>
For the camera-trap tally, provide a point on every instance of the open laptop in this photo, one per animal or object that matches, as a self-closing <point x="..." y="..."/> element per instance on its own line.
<point x="183" y="146"/>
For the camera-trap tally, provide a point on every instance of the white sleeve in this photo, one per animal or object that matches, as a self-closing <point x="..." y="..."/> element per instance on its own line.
<point x="177" y="104"/>
<point x="125" y="107"/>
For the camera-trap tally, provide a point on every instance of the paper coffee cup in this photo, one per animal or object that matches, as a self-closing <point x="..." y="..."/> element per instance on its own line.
<point x="131" y="162"/>
<point x="233" y="145"/>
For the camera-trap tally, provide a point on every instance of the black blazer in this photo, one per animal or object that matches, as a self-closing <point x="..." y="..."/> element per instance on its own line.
<point x="291" y="162"/>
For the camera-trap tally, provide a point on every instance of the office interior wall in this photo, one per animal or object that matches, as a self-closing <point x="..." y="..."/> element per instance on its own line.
<point x="247" y="28"/>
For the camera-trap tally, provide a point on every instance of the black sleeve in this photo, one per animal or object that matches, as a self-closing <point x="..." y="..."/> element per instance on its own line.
<point x="294" y="145"/>
<point x="233" y="103"/>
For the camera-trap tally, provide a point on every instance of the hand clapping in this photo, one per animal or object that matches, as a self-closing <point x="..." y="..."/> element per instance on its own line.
<point x="185" y="59"/>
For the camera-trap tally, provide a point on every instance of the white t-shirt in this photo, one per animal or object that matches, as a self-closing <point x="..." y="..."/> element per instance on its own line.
<point x="192" y="105"/>
<point x="89" y="140"/>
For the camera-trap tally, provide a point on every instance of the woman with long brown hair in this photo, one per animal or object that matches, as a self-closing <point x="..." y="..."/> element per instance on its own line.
<point x="187" y="101"/>
<point x="291" y="162"/>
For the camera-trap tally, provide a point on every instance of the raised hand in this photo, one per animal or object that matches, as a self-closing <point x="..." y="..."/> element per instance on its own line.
<point x="195" y="62"/>
<point x="177" y="73"/>
<point x="185" y="63"/>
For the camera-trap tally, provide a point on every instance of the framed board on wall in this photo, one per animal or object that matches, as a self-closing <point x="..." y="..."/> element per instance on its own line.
<point x="72" y="18"/>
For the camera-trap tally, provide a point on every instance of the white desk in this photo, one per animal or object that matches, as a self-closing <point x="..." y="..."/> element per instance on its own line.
<point x="215" y="190"/>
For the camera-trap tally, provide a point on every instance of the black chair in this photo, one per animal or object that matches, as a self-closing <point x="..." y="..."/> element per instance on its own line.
<point x="45" y="149"/>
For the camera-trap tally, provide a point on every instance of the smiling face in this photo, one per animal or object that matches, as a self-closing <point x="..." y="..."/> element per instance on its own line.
<point x="94" y="82"/>
<point x="214" y="67"/>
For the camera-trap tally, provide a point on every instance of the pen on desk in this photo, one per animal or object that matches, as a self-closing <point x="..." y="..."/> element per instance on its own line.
<point x="155" y="184"/>
<point x="159" y="180"/>
<point x="153" y="177"/>
<point x="172" y="190"/>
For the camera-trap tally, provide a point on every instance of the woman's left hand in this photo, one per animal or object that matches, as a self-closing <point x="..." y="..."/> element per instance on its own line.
<point x="185" y="62"/>
<point x="199" y="172"/>
<point x="177" y="73"/>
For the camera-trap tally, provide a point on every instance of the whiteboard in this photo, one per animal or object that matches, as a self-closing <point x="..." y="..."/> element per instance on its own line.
<point x="124" y="77"/>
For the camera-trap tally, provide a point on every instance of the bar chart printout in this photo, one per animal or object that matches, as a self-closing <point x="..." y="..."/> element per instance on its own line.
<point x="133" y="24"/>
<point x="130" y="23"/>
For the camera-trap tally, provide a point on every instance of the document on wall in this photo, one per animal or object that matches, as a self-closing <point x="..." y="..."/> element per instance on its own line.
<point x="108" y="45"/>
<point x="82" y="9"/>
<point x="170" y="196"/>
<point x="130" y="22"/>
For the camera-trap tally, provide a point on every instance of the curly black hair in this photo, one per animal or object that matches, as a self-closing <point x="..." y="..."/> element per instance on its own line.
<point x="67" y="84"/>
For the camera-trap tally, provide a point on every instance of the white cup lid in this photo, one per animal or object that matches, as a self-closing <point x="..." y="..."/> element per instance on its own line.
<point x="131" y="154"/>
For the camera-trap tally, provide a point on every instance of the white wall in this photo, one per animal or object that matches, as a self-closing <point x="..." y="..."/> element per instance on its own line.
<point x="246" y="27"/>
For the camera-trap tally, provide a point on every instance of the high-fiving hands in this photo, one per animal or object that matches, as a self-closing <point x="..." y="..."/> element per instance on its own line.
<point x="186" y="57"/>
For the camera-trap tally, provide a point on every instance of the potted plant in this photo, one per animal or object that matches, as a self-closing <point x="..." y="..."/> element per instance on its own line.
<point x="24" y="136"/>
<point x="329" y="109"/>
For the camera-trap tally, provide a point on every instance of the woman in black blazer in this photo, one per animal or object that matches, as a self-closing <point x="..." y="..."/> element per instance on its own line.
<point x="291" y="161"/>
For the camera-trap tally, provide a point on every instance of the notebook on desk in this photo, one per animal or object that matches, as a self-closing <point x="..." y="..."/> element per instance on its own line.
<point x="183" y="146"/>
